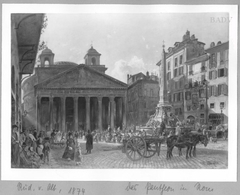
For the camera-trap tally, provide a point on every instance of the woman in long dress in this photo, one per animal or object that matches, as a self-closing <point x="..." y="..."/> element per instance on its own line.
<point x="89" y="143"/>
<point x="70" y="148"/>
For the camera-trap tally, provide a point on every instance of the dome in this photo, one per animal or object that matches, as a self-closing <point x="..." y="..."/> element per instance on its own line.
<point x="92" y="51"/>
<point x="47" y="51"/>
<point x="65" y="63"/>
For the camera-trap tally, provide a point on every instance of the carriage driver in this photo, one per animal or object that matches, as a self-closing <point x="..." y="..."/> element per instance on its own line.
<point x="178" y="131"/>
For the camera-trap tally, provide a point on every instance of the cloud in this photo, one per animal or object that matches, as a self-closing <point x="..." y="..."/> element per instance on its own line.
<point x="122" y="68"/>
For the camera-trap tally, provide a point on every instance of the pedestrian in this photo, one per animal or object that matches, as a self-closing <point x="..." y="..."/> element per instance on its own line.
<point x="15" y="146"/>
<point x="178" y="131"/>
<point x="70" y="148"/>
<point x="89" y="142"/>
<point x="46" y="150"/>
<point x="78" y="155"/>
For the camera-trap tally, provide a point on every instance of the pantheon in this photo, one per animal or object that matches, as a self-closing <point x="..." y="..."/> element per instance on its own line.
<point x="67" y="96"/>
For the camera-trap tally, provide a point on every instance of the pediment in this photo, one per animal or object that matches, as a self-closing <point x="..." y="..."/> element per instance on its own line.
<point x="82" y="76"/>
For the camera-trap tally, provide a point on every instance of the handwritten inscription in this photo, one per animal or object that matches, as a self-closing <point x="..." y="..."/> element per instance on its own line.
<point x="161" y="188"/>
<point x="131" y="187"/>
<point x="50" y="187"/>
<point x="202" y="188"/>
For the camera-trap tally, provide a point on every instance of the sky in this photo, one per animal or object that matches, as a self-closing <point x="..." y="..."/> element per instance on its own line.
<point x="129" y="43"/>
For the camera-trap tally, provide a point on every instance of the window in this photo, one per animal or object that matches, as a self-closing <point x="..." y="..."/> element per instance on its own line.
<point x="181" y="70"/>
<point x="169" y="65"/>
<point x="201" y="118"/>
<point x="201" y="106"/>
<point x="181" y="96"/>
<point x="222" y="57"/>
<point x="222" y="89"/>
<point x="151" y="92"/>
<point x="180" y="84"/>
<point x="145" y="92"/>
<point x="175" y="72"/>
<point x="188" y="108"/>
<point x="176" y="85"/>
<point x="176" y="111"/>
<point x="169" y="97"/>
<point x="222" y="105"/>
<point x="221" y="72"/>
<point x="175" y="97"/>
<point x="168" y="76"/>
<point x="176" y="62"/>
<point x="190" y="82"/>
<point x="181" y="59"/>
<point x="201" y="93"/>
<point x="188" y="95"/>
<point x="212" y="105"/>
<point x="203" y="77"/>
<point x="180" y="111"/>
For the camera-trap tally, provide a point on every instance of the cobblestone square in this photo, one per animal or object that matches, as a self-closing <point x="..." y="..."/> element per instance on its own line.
<point x="110" y="156"/>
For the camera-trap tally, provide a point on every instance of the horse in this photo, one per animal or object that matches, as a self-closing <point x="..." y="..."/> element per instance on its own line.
<point x="188" y="141"/>
<point x="196" y="138"/>
<point x="179" y="142"/>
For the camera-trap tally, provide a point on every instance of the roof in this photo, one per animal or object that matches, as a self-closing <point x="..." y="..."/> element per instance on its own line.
<point x="47" y="51"/>
<point x="76" y="70"/>
<point x="92" y="51"/>
<point x="198" y="59"/>
<point x="219" y="47"/>
<point x="65" y="63"/>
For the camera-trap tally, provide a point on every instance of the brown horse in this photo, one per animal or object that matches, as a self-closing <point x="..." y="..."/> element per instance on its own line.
<point x="188" y="141"/>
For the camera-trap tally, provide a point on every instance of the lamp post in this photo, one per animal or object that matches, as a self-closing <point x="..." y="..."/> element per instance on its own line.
<point x="205" y="83"/>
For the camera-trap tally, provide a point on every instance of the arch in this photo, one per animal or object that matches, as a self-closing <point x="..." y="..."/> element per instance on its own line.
<point x="93" y="61"/>
<point x="191" y="119"/>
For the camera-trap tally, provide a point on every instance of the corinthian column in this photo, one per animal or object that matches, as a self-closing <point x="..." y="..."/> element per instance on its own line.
<point x="100" y="114"/>
<point x="51" y="113"/>
<point x="112" y="112"/>
<point x="76" y="113"/>
<point x="38" y="105"/>
<point x="87" y="113"/>
<point x="63" y="101"/>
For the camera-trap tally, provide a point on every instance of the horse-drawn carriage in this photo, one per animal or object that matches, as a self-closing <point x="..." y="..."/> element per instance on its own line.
<point x="144" y="143"/>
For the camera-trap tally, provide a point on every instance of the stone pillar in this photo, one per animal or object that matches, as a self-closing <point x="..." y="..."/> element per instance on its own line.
<point x="100" y="114"/>
<point x="63" y="101"/>
<point x="51" y="113"/>
<point x="76" y="113"/>
<point x="112" y="112"/>
<point x="87" y="113"/>
<point x="38" y="111"/>
<point x="124" y="112"/>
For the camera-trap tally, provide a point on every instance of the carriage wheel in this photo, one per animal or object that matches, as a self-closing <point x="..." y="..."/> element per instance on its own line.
<point x="151" y="149"/>
<point x="135" y="148"/>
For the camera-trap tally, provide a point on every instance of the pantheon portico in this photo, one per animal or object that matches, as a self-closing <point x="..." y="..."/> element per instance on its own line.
<point x="70" y="96"/>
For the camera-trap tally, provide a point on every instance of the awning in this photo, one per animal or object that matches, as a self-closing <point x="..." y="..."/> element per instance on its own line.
<point x="28" y="30"/>
<point x="215" y="116"/>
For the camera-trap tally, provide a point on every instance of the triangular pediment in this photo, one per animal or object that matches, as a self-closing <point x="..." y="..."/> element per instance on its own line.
<point x="81" y="76"/>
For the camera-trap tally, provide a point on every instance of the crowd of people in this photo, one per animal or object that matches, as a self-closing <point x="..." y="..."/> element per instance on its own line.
<point x="28" y="148"/>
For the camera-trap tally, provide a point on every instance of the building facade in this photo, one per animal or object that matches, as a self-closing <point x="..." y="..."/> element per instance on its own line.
<point x="218" y="83"/>
<point x="67" y="96"/>
<point x="206" y="93"/>
<point x="143" y="97"/>
<point x="176" y="70"/>
<point x="25" y="35"/>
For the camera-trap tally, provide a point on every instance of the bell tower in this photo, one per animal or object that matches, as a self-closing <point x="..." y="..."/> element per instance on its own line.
<point x="92" y="57"/>
<point x="46" y="58"/>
